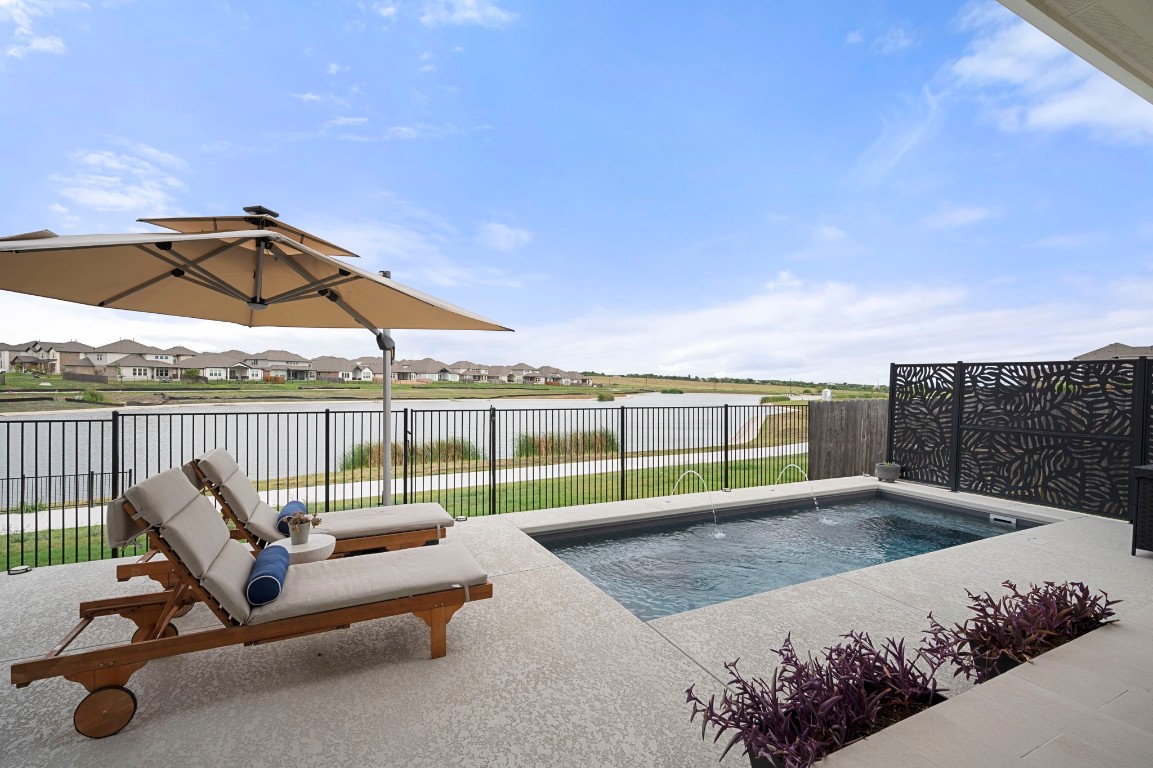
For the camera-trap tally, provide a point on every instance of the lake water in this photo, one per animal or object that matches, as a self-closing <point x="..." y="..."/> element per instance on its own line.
<point x="288" y="439"/>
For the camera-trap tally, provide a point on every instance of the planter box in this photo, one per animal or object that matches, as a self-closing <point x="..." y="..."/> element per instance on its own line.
<point x="887" y="473"/>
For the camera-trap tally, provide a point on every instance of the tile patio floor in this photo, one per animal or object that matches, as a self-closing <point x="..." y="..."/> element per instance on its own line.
<point x="552" y="671"/>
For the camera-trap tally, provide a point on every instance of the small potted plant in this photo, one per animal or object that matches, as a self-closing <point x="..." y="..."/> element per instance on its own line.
<point x="810" y="708"/>
<point x="1017" y="627"/>
<point x="888" y="471"/>
<point x="300" y="522"/>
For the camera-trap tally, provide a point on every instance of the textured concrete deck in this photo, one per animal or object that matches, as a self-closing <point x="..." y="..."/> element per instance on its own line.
<point x="553" y="672"/>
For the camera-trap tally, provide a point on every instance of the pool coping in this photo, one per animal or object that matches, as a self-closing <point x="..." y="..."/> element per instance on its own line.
<point x="622" y="515"/>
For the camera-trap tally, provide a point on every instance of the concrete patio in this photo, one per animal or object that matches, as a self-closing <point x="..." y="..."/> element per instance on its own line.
<point x="552" y="671"/>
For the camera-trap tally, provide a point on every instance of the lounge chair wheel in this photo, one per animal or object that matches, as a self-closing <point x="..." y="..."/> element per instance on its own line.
<point x="104" y="712"/>
<point x="142" y="632"/>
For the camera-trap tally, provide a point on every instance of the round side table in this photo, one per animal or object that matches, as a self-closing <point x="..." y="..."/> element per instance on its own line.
<point x="318" y="547"/>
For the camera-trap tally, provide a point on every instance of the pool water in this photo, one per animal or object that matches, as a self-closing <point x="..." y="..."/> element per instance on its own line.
<point x="673" y="568"/>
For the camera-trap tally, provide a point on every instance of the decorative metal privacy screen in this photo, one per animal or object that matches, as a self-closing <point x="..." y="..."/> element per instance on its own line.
<point x="1063" y="434"/>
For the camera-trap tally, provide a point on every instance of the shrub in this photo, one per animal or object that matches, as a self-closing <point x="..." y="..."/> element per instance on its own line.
<point x="774" y="399"/>
<point x="92" y="396"/>
<point x="1015" y="628"/>
<point x="590" y="442"/>
<point x="605" y="397"/>
<point x="810" y="708"/>
<point x="368" y="455"/>
<point x="672" y="391"/>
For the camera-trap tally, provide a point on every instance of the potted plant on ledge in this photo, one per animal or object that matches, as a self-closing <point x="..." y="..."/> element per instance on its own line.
<point x="888" y="471"/>
<point x="299" y="524"/>
<point x="810" y="708"/>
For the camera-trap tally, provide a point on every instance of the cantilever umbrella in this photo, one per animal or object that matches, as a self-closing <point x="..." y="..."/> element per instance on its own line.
<point x="262" y="273"/>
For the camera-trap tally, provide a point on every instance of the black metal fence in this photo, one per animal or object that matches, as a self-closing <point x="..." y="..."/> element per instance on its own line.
<point x="1063" y="434"/>
<point x="56" y="475"/>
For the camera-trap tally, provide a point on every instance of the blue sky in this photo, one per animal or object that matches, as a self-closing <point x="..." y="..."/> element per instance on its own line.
<point x="770" y="190"/>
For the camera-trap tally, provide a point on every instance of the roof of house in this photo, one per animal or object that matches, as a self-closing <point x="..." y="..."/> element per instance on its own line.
<point x="373" y="363"/>
<point x="136" y="361"/>
<point x="1116" y="350"/>
<point x="425" y="365"/>
<point x="328" y="363"/>
<point x="465" y="365"/>
<point x="127" y="347"/>
<point x="26" y="359"/>
<point x="61" y="346"/>
<point x="12" y="347"/>
<point x="278" y="355"/>
<point x="215" y="360"/>
<point x="180" y="351"/>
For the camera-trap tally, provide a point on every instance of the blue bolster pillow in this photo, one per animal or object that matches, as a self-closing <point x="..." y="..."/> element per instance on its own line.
<point x="267" y="576"/>
<point x="286" y="511"/>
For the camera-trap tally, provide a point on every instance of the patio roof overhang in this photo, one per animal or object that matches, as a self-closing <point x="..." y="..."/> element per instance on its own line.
<point x="1116" y="36"/>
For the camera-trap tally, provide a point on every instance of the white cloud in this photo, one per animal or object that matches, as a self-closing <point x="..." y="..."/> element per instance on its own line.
<point x="307" y="97"/>
<point x="338" y="122"/>
<point x="949" y="216"/>
<point x="385" y="10"/>
<point x="1027" y="81"/>
<point x="819" y="330"/>
<point x="139" y="180"/>
<point x="334" y="69"/>
<point x="21" y="15"/>
<point x="415" y="248"/>
<point x="483" y="13"/>
<point x="856" y="37"/>
<point x="898" y="137"/>
<point x="502" y="237"/>
<point x="829" y="234"/>
<point x="1069" y="241"/>
<point x="893" y="40"/>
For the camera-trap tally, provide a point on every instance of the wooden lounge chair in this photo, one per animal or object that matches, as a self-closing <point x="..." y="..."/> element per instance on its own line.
<point x="359" y="530"/>
<point x="429" y="582"/>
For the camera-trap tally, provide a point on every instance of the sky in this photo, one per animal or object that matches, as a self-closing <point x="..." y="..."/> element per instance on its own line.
<point x="751" y="189"/>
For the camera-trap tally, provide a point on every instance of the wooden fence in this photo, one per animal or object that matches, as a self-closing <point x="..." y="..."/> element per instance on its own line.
<point x="846" y="438"/>
<point x="92" y="378"/>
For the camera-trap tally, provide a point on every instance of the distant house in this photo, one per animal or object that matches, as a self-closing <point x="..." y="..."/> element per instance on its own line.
<point x="527" y="373"/>
<point x="223" y="366"/>
<point x="8" y="352"/>
<point x="374" y="366"/>
<point x="180" y="354"/>
<point x="426" y="369"/>
<point x="469" y="371"/>
<point x="279" y="363"/>
<point x="57" y="356"/>
<point x="340" y="369"/>
<point x="1116" y="351"/>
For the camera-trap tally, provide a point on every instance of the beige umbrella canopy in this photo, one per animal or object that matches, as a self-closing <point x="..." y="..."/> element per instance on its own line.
<point x="252" y="270"/>
<point x="258" y="217"/>
<point x="252" y="277"/>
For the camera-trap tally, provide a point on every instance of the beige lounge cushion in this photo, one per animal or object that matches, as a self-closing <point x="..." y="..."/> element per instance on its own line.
<point x="374" y="521"/>
<point x="226" y="579"/>
<point x="263" y="523"/>
<point x="331" y="584"/>
<point x="218" y="465"/>
<point x="186" y="520"/>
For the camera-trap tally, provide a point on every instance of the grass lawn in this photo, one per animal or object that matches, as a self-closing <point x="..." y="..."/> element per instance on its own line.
<point x="68" y="545"/>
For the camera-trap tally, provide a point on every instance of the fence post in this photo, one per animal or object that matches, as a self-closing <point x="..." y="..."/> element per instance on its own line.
<point x="327" y="460"/>
<point x="492" y="459"/>
<point x="955" y="431"/>
<point x="1140" y="427"/>
<point x="892" y="412"/>
<point x="725" y="428"/>
<point x="624" y="479"/>
<point x="404" y="457"/>
<point x="116" y="424"/>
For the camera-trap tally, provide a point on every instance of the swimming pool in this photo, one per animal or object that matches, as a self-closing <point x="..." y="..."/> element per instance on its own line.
<point x="676" y="567"/>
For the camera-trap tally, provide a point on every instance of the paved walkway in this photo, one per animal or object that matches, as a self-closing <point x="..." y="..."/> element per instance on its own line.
<point x="552" y="672"/>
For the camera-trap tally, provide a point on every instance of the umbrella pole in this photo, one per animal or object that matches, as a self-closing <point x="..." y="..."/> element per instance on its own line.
<point x="387" y="345"/>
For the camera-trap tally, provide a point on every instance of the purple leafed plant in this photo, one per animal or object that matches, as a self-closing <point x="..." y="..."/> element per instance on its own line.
<point x="1016" y="627"/>
<point x="816" y="706"/>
